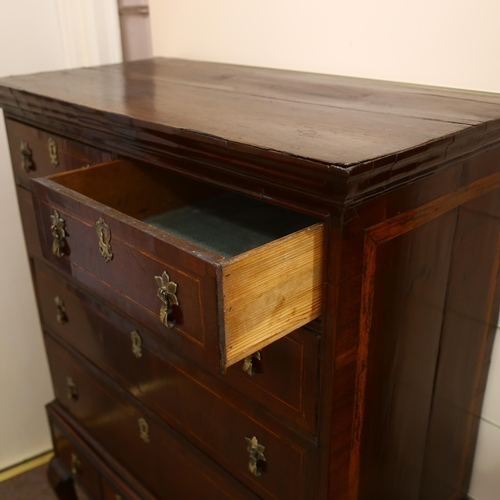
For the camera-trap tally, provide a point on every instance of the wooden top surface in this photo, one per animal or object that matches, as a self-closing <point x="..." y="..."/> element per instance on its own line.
<point x="331" y="120"/>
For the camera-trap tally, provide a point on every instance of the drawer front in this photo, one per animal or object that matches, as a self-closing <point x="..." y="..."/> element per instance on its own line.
<point x="100" y="475"/>
<point x="283" y="376"/>
<point x="216" y="308"/>
<point x="131" y="432"/>
<point x="128" y="281"/>
<point x="76" y="461"/>
<point x="36" y="153"/>
<point x="284" y="380"/>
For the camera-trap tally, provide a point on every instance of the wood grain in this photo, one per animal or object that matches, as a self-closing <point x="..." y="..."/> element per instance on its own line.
<point x="286" y="382"/>
<point x="406" y="180"/>
<point x="135" y="188"/>
<point x="70" y="154"/>
<point x="112" y="471"/>
<point x="270" y="291"/>
<point x="110" y="415"/>
<point x="267" y="292"/>
<point x="314" y="134"/>
<point x="294" y="121"/>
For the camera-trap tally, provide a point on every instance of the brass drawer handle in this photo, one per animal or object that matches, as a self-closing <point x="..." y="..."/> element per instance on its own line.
<point x="256" y="461"/>
<point x="104" y="234"/>
<point x="167" y="293"/>
<point x="251" y="364"/>
<point x="53" y="152"/>
<point x="61" y="316"/>
<point x="143" y="429"/>
<point x="136" y="343"/>
<point x="72" y="391"/>
<point x="58" y="229"/>
<point x="27" y="157"/>
<point x="76" y="465"/>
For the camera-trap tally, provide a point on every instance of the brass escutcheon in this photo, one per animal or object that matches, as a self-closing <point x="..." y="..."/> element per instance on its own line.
<point x="167" y="293"/>
<point x="249" y="363"/>
<point x="143" y="429"/>
<point x="104" y="234"/>
<point x="72" y="391"/>
<point x="27" y="157"/>
<point x="136" y="343"/>
<point x="61" y="316"/>
<point x="58" y="229"/>
<point x="53" y="152"/>
<point x="76" y="465"/>
<point x="256" y="456"/>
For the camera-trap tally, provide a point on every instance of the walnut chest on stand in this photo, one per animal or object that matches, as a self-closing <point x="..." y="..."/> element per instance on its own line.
<point x="259" y="284"/>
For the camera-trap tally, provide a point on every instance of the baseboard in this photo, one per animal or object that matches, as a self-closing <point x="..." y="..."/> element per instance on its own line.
<point x="25" y="466"/>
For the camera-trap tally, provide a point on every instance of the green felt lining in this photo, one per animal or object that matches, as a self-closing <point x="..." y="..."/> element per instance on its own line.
<point x="230" y="224"/>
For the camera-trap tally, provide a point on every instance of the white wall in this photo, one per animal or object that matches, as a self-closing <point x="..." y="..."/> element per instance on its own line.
<point x="451" y="43"/>
<point x="35" y="35"/>
<point x="441" y="42"/>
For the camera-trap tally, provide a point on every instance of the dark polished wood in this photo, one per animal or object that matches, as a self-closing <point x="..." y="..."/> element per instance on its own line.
<point x="284" y="380"/>
<point x="69" y="154"/>
<point x="163" y="461"/>
<point x="110" y="472"/>
<point x="61" y="481"/>
<point x="378" y="399"/>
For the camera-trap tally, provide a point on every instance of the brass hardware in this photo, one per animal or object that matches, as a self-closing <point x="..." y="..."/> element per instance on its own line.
<point x="27" y="157"/>
<point x="72" y="392"/>
<point x="256" y="455"/>
<point x="136" y="343"/>
<point x="104" y="234"/>
<point x="118" y="497"/>
<point x="249" y="363"/>
<point x="167" y="293"/>
<point x="143" y="429"/>
<point x="61" y="315"/>
<point x="59" y="233"/>
<point x="76" y="465"/>
<point x="53" y="152"/>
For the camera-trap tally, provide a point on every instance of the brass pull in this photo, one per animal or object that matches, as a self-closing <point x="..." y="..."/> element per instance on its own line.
<point x="256" y="456"/>
<point x="72" y="392"/>
<point x="76" y="465"/>
<point x="250" y="363"/>
<point x="118" y="497"/>
<point x="167" y="293"/>
<point x="58" y="229"/>
<point x="143" y="429"/>
<point x="104" y="234"/>
<point x="61" y="316"/>
<point x="136" y="343"/>
<point x="27" y="157"/>
<point x="53" y="152"/>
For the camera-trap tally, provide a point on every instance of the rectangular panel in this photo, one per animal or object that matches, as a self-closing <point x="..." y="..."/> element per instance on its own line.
<point x="119" y="423"/>
<point x="36" y="153"/>
<point x="228" y="304"/>
<point x="284" y="379"/>
<point x="409" y="293"/>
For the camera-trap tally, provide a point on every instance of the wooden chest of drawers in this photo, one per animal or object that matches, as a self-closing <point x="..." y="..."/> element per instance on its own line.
<point x="256" y="283"/>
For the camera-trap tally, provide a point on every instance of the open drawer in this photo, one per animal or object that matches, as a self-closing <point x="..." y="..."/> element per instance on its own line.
<point x="218" y="274"/>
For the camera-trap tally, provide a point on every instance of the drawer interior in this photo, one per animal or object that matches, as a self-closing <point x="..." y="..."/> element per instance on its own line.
<point x="223" y="222"/>
<point x="265" y="261"/>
